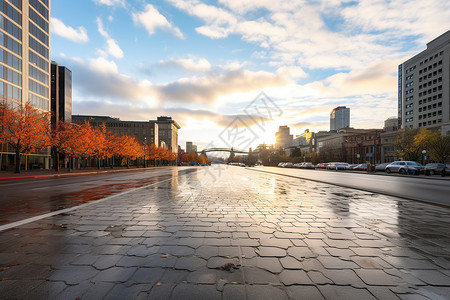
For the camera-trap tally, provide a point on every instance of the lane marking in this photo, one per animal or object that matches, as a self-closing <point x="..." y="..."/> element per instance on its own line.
<point x="66" y="210"/>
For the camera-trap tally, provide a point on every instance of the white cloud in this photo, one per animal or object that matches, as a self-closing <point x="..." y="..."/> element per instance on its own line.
<point x="76" y="35"/>
<point x="112" y="47"/>
<point x="151" y="19"/>
<point x="111" y="2"/>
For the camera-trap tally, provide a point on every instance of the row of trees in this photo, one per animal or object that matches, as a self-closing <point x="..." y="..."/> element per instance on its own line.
<point x="26" y="129"/>
<point x="194" y="157"/>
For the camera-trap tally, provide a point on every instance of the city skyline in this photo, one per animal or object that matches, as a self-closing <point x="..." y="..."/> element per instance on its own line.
<point x="203" y="63"/>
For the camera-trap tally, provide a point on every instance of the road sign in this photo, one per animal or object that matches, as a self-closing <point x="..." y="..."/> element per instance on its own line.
<point x="358" y="156"/>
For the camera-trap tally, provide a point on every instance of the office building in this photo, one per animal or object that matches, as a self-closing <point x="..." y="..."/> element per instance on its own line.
<point x="424" y="88"/>
<point x="339" y="118"/>
<point x="162" y="132"/>
<point x="25" y="61"/>
<point x="388" y="137"/>
<point x="191" y="147"/>
<point x="283" y="138"/>
<point x="61" y="94"/>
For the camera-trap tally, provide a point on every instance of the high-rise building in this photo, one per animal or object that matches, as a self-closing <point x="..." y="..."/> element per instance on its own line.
<point x="25" y="64"/>
<point x="424" y="87"/>
<point x="283" y="138"/>
<point x="339" y="118"/>
<point x="25" y="52"/>
<point x="168" y="132"/>
<point x="61" y="93"/>
<point x="191" y="147"/>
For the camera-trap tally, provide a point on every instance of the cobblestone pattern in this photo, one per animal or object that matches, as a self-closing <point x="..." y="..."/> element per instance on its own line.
<point x="236" y="235"/>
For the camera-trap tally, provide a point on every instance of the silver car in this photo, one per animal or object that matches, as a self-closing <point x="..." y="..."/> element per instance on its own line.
<point x="404" y="167"/>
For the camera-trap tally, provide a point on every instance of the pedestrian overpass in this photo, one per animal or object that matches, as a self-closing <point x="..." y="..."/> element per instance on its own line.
<point x="223" y="150"/>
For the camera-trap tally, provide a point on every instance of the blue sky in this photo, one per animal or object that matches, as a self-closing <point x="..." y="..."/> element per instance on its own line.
<point x="205" y="62"/>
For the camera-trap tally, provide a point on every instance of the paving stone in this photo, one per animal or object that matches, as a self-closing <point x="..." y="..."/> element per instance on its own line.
<point x="115" y="274"/>
<point x="331" y="262"/>
<point x="160" y="260"/>
<point x="344" y="277"/>
<point x="265" y="292"/>
<point x="432" y="277"/>
<point x="143" y="251"/>
<point x="318" y="278"/>
<point x="289" y="262"/>
<point x="217" y="262"/>
<point x="304" y="293"/>
<point x="73" y="274"/>
<point x="270" y="252"/>
<point x="300" y="253"/>
<point x="189" y="263"/>
<point x="148" y="275"/>
<point x="270" y="264"/>
<point x="131" y="261"/>
<point x="202" y="276"/>
<point x="291" y="277"/>
<point x="332" y="292"/>
<point x="259" y="276"/>
<point x="106" y="261"/>
<point x="18" y="289"/>
<point x="177" y="250"/>
<point x="122" y="291"/>
<point x="409" y="263"/>
<point x="97" y="291"/>
<point x="174" y="276"/>
<point x="162" y="291"/>
<point x="195" y="292"/>
<point x="377" y="277"/>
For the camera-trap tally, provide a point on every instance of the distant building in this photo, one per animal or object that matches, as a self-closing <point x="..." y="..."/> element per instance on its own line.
<point x="339" y="118"/>
<point x="424" y="88"/>
<point x="61" y="94"/>
<point x="283" y="138"/>
<point x="388" y="137"/>
<point x="190" y="147"/>
<point x="162" y="132"/>
<point x="363" y="146"/>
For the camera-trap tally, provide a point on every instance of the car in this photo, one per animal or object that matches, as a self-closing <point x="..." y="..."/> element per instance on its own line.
<point x="321" y="165"/>
<point x="281" y="164"/>
<point x="404" y="167"/>
<point x="298" y="165"/>
<point x="381" y="167"/>
<point x="288" y="165"/>
<point x="361" y="167"/>
<point x="337" y="166"/>
<point x="351" y="166"/>
<point x="308" y="165"/>
<point x="437" y="168"/>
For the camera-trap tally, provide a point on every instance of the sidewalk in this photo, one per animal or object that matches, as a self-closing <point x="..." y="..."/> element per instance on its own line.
<point x="33" y="174"/>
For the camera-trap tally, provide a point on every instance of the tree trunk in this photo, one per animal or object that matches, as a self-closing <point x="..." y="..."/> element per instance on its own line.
<point x="98" y="163"/>
<point x="17" y="161"/>
<point x="56" y="160"/>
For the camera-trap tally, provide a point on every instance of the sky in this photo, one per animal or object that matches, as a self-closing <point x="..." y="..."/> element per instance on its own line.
<point x="231" y="71"/>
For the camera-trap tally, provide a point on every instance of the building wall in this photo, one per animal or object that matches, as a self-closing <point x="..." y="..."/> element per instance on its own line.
<point x="283" y="138"/>
<point x="424" y="87"/>
<point x="61" y="93"/>
<point x="339" y="118"/>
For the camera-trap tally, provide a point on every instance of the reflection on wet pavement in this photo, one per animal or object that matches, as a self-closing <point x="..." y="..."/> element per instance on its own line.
<point x="236" y="235"/>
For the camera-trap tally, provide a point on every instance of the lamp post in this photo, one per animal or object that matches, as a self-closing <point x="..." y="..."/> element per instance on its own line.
<point x="145" y="148"/>
<point x="424" y="156"/>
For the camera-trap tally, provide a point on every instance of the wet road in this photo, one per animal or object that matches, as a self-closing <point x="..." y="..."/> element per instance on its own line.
<point x="428" y="189"/>
<point x="33" y="197"/>
<point x="232" y="233"/>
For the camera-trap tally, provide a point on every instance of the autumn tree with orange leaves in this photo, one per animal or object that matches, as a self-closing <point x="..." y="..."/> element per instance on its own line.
<point x="61" y="140"/>
<point x="24" y="128"/>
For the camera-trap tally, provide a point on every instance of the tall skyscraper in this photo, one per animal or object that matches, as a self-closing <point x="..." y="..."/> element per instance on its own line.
<point x="283" y="138"/>
<point x="424" y="87"/>
<point x="61" y="93"/>
<point x="25" y="52"/>
<point x="339" y="118"/>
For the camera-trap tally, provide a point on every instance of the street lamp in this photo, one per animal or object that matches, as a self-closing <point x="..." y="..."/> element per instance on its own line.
<point x="424" y="156"/>
<point x="145" y="143"/>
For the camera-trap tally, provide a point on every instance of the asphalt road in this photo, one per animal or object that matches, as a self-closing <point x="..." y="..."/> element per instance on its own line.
<point x="32" y="197"/>
<point x="428" y="189"/>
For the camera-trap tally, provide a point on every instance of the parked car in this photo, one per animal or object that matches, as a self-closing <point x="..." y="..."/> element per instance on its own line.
<point x="404" y="167"/>
<point x="321" y="165"/>
<point x="337" y="166"/>
<point x="351" y="166"/>
<point x="437" y="168"/>
<point x="281" y="164"/>
<point x="361" y="167"/>
<point x="307" y="165"/>
<point x="288" y="165"/>
<point x="381" y="167"/>
<point x="298" y="165"/>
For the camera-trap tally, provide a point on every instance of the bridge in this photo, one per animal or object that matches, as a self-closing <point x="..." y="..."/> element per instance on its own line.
<point x="223" y="150"/>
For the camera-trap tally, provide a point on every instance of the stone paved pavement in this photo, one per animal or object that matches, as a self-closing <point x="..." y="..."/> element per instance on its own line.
<point x="233" y="233"/>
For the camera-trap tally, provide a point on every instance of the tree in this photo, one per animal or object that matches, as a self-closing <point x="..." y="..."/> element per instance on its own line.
<point x="406" y="146"/>
<point x="24" y="128"/>
<point x="440" y="149"/>
<point x="60" y="140"/>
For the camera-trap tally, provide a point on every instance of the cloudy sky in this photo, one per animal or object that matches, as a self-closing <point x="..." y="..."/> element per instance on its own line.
<point x="215" y="65"/>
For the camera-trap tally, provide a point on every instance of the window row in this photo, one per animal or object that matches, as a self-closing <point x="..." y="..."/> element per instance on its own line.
<point x="435" y="105"/>
<point x="409" y="120"/>
<point x="11" y="60"/>
<point x="431" y="75"/>
<point x="430" y="83"/>
<point x="409" y="98"/>
<point x="11" y="12"/>
<point x="38" y="47"/>
<point x="38" y="33"/>
<point x="37" y="101"/>
<point x="10" y="43"/>
<point x="433" y="90"/>
<point x="431" y="58"/>
<point x="17" y="4"/>
<point x="410" y="69"/>
<point x="410" y="77"/>
<point x="40" y="8"/>
<point x="428" y="68"/>
<point x="37" y="88"/>
<point x="10" y="91"/>
<point x="435" y="97"/>
<point x="10" y="75"/>
<point x="410" y="84"/>
<point x="430" y="115"/>
<point x="424" y="124"/>
<point x="38" y="74"/>
<point x="36" y="18"/>
<point x="10" y="27"/>
<point x="38" y="61"/>
<point x="411" y="112"/>
<point x="409" y="91"/>
<point x="409" y="105"/>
